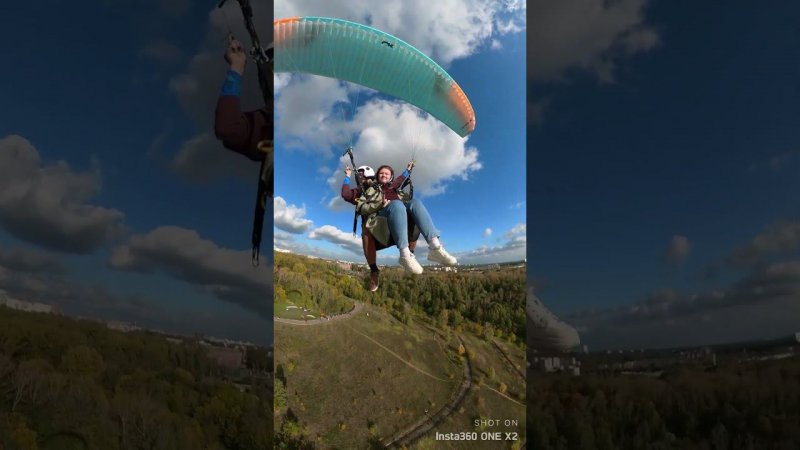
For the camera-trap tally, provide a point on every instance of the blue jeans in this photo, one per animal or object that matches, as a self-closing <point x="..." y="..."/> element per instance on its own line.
<point x="398" y="214"/>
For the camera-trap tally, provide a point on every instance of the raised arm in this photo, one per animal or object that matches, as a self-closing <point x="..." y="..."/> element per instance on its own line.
<point x="349" y="194"/>
<point x="240" y="131"/>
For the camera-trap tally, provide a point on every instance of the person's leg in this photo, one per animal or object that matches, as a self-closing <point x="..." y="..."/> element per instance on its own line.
<point x="395" y="214"/>
<point x="423" y="220"/>
<point x="368" y="243"/>
<point x="370" y="252"/>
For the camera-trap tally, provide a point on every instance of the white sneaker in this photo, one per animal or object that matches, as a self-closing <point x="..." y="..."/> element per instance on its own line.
<point x="410" y="264"/>
<point x="441" y="256"/>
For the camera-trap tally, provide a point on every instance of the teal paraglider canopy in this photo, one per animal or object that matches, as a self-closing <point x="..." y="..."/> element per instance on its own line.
<point x="349" y="51"/>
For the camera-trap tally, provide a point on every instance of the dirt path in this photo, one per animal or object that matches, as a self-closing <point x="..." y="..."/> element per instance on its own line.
<point x="357" y="306"/>
<point x="508" y="358"/>
<point x="424" y="425"/>
<point x="504" y="395"/>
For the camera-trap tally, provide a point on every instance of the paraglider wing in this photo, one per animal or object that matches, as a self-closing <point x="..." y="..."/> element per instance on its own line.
<point x="360" y="54"/>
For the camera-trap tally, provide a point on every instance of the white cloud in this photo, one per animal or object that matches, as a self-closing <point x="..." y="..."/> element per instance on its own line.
<point x="777" y="238"/>
<point x="518" y="230"/>
<point x="513" y="249"/>
<point x="386" y="132"/>
<point x="585" y="34"/>
<point x="182" y="253"/>
<point x="203" y="159"/>
<point x="305" y="114"/>
<point x="336" y="236"/>
<point x="162" y="52"/>
<point x="48" y="205"/>
<point x="290" y="218"/>
<point x="764" y="303"/>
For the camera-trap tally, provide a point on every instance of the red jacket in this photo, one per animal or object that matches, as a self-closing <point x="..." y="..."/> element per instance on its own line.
<point x="242" y="131"/>
<point x="351" y="194"/>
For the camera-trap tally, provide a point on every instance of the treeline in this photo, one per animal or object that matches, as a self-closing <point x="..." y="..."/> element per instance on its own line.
<point x="749" y="407"/>
<point x="314" y="284"/>
<point x="67" y="384"/>
<point x="489" y="303"/>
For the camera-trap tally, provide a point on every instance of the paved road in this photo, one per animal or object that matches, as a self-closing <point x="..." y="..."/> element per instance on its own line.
<point x="357" y="306"/>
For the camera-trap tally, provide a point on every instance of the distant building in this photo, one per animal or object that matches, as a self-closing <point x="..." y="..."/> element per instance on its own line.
<point x="122" y="326"/>
<point x="22" y="305"/>
<point x="555" y="364"/>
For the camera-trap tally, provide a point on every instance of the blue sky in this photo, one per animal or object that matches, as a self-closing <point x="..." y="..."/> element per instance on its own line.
<point x="663" y="152"/>
<point x="662" y="159"/>
<point x="474" y="188"/>
<point x="116" y="201"/>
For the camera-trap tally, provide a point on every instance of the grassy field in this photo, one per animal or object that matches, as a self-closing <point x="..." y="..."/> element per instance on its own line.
<point x="346" y="390"/>
<point x="351" y="382"/>
<point x="292" y="308"/>
<point x="483" y="402"/>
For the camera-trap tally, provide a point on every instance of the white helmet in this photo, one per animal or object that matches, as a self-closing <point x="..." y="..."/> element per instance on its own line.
<point x="366" y="171"/>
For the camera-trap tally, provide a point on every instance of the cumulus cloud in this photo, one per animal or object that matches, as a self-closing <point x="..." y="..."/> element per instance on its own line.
<point x="203" y="159"/>
<point x="389" y="132"/>
<point x="585" y="34"/>
<point x="678" y="249"/>
<point x="98" y="302"/>
<point x="183" y="254"/>
<point x="290" y="218"/>
<point x="511" y="247"/>
<point x="749" y="307"/>
<point x="336" y="236"/>
<point x="445" y="30"/>
<point x="518" y="230"/>
<point x="48" y="205"/>
<point x="777" y="238"/>
<point x="511" y="250"/>
<point x="306" y="116"/>
<point x="162" y="52"/>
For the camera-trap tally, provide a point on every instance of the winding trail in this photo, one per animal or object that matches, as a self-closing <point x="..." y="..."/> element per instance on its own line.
<point x="422" y="426"/>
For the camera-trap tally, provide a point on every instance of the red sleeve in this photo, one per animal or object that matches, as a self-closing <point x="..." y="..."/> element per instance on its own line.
<point x="241" y="132"/>
<point x="398" y="181"/>
<point x="349" y="194"/>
